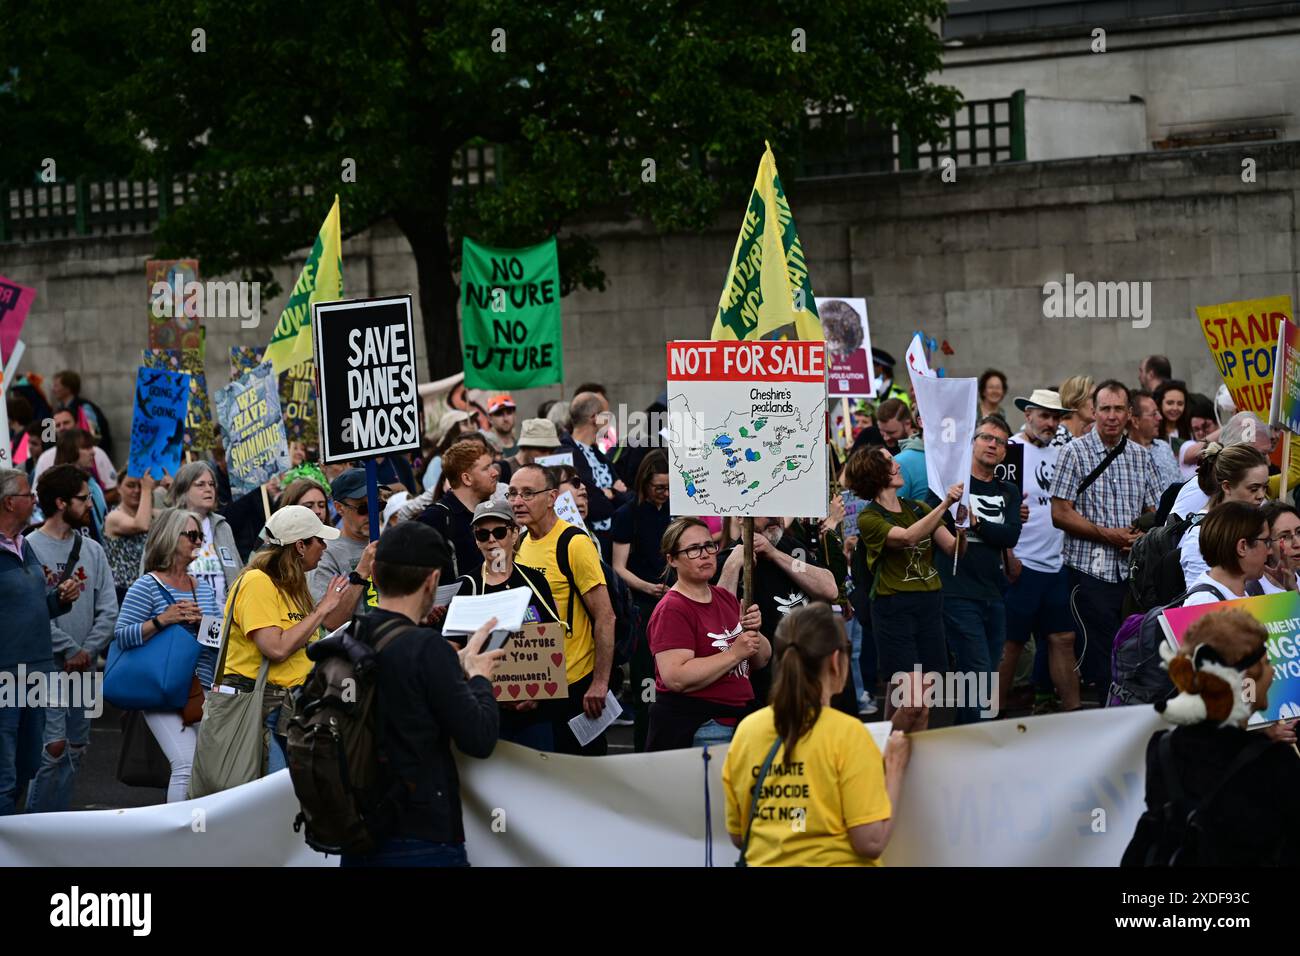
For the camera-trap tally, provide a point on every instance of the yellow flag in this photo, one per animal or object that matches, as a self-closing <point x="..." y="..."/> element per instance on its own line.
<point x="768" y="294"/>
<point x="321" y="280"/>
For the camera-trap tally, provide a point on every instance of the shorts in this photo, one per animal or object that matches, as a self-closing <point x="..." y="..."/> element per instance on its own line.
<point x="1038" y="603"/>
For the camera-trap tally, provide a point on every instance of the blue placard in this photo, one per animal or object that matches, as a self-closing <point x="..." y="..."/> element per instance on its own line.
<point x="248" y="410"/>
<point x="158" y="422"/>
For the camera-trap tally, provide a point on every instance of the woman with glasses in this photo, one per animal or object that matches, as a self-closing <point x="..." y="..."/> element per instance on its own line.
<point x="497" y="536"/>
<point x="1284" y="556"/>
<point x="703" y="648"/>
<point x="273" y="618"/>
<point x="827" y="797"/>
<point x="637" y="531"/>
<point x="166" y="594"/>
<point x="1231" y="473"/>
<point x="217" y="560"/>
<point x="1234" y="540"/>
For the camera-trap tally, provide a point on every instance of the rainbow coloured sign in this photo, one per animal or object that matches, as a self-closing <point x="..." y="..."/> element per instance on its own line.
<point x="1280" y="615"/>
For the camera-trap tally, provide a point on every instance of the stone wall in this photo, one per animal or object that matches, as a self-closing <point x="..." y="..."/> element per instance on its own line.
<point x="965" y="261"/>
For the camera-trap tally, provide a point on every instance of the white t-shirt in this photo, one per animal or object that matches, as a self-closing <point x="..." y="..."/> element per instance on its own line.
<point x="1041" y="542"/>
<point x="104" y="469"/>
<point x="1189" y="553"/>
<point x="206" y="565"/>
<point x="1268" y="587"/>
<point x="1209" y="597"/>
<point x="1190" y="500"/>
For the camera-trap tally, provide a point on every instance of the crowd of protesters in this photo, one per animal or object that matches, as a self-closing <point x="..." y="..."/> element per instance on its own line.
<point x="1025" y="589"/>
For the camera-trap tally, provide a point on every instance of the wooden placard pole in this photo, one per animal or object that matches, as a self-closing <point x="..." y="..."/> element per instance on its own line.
<point x="747" y="535"/>
<point x="1286" y="465"/>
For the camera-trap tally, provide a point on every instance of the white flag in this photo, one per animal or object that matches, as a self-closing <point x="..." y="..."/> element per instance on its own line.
<point x="947" y="407"/>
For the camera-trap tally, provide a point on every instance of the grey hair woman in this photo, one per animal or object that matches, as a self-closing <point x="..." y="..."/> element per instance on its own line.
<point x="167" y="594"/>
<point x="217" y="561"/>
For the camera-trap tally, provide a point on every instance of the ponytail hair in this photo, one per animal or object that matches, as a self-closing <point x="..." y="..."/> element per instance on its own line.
<point x="804" y="640"/>
<point x="1219" y="463"/>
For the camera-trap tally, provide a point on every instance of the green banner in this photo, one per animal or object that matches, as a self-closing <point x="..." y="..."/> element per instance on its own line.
<point x="510" y="316"/>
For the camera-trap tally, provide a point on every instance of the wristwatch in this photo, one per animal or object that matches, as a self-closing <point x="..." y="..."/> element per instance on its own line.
<point x="157" y="624"/>
<point x="354" y="578"/>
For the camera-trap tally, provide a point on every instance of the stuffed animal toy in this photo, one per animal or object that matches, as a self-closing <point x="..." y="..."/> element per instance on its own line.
<point x="1208" y="688"/>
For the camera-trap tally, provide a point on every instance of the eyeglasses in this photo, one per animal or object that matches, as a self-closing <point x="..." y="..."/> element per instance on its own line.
<point x="1267" y="542"/>
<point x="204" y="484"/>
<point x="697" y="551"/>
<point x="196" y="537"/>
<point x="21" y="494"/>
<point x="361" y="507"/>
<point x="85" y="497"/>
<point x="658" y="488"/>
<point x="484" y="534"/>
<point x="985" y="436"/>
<point x="1288" y="537"/>
<point x="525" y="494"/>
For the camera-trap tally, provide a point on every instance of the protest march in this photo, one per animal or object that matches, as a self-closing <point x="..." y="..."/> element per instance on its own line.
<point x="361" y="567"/>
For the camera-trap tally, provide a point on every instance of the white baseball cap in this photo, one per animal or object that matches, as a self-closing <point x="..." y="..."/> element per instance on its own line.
<point x="296" y="523"/>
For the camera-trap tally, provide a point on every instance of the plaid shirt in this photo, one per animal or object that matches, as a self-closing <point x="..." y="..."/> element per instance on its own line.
<point x="1121" y="493"/>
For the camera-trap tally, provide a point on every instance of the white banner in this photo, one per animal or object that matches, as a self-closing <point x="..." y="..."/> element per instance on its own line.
<point x="947" y="407"/>
<point x="1061" y="790"/>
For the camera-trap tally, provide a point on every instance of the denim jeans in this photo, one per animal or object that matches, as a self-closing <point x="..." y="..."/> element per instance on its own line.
<point x="398" y="852"/>
<point x="854" y="628"/>
<point x="22" y="731"/>
<point x="51" y="789"/>
<point x="976" y="631"/>
<point x="277" y="753"/>
<point x="712" y="732"/>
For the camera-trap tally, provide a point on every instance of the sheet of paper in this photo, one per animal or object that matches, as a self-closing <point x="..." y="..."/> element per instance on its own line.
<point x="587" y="730"/>
<point x="553" y="461"/>
<point x="467" y="613"/>
<point x="566" y="509"/>
<point x="210" y="631"/>
<point x="445" y="593"/>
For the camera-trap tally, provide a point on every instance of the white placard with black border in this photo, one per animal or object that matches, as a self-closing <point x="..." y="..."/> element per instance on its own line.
<point x="366" y="389"/>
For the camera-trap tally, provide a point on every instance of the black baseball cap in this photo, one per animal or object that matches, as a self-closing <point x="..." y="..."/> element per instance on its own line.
<point x="350" y="484"/>
<point x="413" y="545"/>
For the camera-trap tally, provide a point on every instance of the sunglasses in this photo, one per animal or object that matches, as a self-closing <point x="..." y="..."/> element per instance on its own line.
<point x="196" y="537"/>
<point x="485" y="534"/>
<point x="361" y="507"/>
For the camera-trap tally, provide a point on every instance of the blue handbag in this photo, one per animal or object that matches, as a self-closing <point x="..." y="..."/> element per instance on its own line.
<point x="157" y="675"/>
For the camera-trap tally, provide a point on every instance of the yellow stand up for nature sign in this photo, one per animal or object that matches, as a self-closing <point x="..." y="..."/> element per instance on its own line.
<point x="1242" y="337"/>
<point x="768" y="294"/>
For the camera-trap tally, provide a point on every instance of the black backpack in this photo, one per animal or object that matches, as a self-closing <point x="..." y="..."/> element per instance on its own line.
<point x="1175" y="834"/>
<point x="626" y="614"/>
<point x="339" y="776"/>
<point x="1155" y="573"/>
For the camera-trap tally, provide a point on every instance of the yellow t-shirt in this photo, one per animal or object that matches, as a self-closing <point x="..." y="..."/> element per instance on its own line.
<point x="584" y="561"/>
<point x="837" y="781"/>
<point x="260" y="603"/>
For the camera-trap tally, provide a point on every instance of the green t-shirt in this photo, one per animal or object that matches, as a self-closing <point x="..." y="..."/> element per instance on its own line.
<point x="899" y="570"/>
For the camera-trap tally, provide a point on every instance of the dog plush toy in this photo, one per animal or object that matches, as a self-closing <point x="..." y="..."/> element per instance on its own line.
<point x="1208" y="689"/>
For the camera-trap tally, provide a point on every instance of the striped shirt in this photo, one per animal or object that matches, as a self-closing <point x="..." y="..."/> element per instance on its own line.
<point x="1121" y="493"/>
<point x="144" y="599"/>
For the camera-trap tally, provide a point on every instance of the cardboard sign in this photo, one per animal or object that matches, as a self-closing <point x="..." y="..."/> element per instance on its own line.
<point x="1241" y="337"/>
<point x="200" y="427"/>
<point x="1280" y="615"/>
<point x="747" y="423"/>
<point x="848" y="348"/>
<point x="249" y="411"/>
<point x="533" y="668"/>
<point x="297" y="391"/>
<point x="179" y="285"/>
<point x="365" y="351"/>
<point x="566" y="509"/>
<point x="1286" y="378"/>
<point x="158" y="421"/>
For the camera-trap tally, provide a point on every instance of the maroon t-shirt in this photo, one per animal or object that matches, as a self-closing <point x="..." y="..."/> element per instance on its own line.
<point x="705" y="629"/>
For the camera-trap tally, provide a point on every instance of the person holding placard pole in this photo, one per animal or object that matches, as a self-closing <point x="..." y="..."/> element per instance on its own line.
<point x="497" y="536"/>
<point x="168" y="594"/>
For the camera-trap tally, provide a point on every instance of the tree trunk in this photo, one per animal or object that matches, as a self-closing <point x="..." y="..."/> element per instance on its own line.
<point x="438" y="291"/>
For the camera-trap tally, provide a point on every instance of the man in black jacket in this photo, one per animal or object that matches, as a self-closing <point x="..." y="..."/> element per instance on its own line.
<point x="428" y="698"/>
<point x="606" y="492"/>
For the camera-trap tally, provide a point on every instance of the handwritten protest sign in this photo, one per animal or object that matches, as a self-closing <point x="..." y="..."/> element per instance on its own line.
<point x="15" y="302"/>
<point x="1280" y="615"/>
<point x="510" y="316"/>
<point x="200" y="428"/>
<point x="297" y="392"/>
<point x="158" y="421"/>
<point x="249" y="411"/>
<point x="180" y="277"/>
<point x="533" y="668"/>
<point x="1241" y="337"/>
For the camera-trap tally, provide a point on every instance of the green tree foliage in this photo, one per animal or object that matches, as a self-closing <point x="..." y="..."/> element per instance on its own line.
<point x="580" y="97"/>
